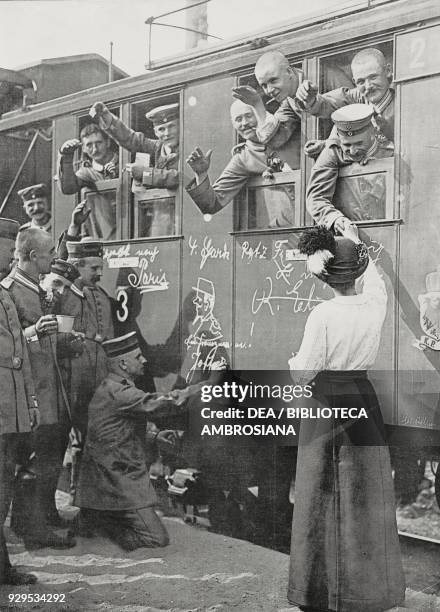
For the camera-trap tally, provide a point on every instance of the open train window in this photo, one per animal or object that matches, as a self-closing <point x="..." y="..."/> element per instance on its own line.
<point x="336" y="72"/>
<point x="102" y="221"/>
<point x="84" y="121"/>
<point x="365" y="193"/>
<point x="155" y="194"/>
<point x="269" y="203"/>
<point x="26" y="159"/>
<point x="290" y="151"/>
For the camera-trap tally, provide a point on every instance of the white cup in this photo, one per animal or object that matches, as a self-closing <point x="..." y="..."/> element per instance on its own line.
<point x="65" y="323"/>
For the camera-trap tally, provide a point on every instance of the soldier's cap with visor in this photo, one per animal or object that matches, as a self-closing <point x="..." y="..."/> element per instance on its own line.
<point x="33" y="192"/>
<point x="163" y="114"/>
<point x="334" y="259"/>
<point x="353" y="119"/>
<point x="85" y="248"/>
<point x="121" y="345"/>
<point x="8" y="228"/>
<point x="64" y="271"/>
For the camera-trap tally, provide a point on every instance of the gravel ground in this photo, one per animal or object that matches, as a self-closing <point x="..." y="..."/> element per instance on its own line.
<point x="198" y="572"/>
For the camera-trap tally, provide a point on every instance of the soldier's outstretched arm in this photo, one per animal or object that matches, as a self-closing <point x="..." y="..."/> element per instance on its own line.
<point x="210" y="199"/>
<point x="321" y="189"/>
<point x="121" y="133"/>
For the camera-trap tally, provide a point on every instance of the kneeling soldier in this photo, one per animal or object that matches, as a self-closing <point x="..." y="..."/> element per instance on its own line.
<point x="114" y="491"/>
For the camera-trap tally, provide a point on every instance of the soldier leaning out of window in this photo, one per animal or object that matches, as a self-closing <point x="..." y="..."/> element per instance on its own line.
<point x="163" y="150"/>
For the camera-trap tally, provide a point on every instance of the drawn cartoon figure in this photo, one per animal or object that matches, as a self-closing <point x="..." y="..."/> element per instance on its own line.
<point x="204" y="302"/>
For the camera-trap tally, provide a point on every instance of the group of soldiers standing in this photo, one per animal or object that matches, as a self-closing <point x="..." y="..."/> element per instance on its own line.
<point x="74" y="385"/>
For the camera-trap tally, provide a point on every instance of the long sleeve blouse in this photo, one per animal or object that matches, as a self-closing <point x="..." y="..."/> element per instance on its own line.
<point x="343" y="333"/>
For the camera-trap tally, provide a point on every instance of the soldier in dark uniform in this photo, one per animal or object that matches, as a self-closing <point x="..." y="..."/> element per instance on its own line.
<point x="162" y="171"/>
<point x="100" y="161"/>
<point x="19" y="411"/>
<point x="37" y="207"/>
<point x="35" y="251"/>
<point x="92" y="307"/>
<point x="249" y="158"/>
<point x="114" y="489"/>
<point x="357" y="143"/>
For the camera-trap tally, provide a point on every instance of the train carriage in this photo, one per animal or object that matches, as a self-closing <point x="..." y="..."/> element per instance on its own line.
<point x="205" y="289"/>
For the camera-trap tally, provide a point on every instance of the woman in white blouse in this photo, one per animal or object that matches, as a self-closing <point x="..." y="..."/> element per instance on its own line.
<point x="345" y="553"/>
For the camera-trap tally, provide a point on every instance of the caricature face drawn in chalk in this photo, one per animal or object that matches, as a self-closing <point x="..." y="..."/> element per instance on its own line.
<point x="204" y="302"/>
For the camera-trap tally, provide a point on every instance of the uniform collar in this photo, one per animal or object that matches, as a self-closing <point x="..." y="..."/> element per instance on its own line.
<point x="255" y="146"/>
<point x="25" y="280"/>
<point x="101" y="167"/>
<point x="46" y="227"/>
<point x="121" y="379"/>
<point x="385" y="101"/>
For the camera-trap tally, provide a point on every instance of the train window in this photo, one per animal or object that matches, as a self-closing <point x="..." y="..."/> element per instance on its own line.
<point x="102" y="221"/>
<point x="154" y="214"/>
<point x="336" y="72"/>
<point x="269" y="204"/>
<point x="26" y="156"/>
<point x="156" y="166"/>
<point x="84" y="158"/>
<point x="365" y="193"/>
<point x="288" y="152"/>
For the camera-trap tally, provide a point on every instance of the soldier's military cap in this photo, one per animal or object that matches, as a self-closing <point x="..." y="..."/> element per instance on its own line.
<point x="8" y="228"/>
<point x="64" y="270"/>
<point x="121" y="345"/>
<point x="163" y="114"/>
<point x="32" y="192"/>
<point x="353" y="119"/>
<point x="85" y="248"/>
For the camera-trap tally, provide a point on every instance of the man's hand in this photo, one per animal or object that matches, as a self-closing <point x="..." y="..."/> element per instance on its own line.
<point x="167" y="439"/>
<point x="341" y="225"/>
<point x="98" y="109"/>
<point x="351" y="231"/>
<point x="247" y="94"/>
<point x="313" y="148"/>
<point x="47" y="324"/>
<point x="34" y="417"/>
<point x="136" y="171"/>
<point x="80" y="214"/>
<point x="70" y="146"/>
<point x="199" y="162"/>
<point x="306" y="93"/>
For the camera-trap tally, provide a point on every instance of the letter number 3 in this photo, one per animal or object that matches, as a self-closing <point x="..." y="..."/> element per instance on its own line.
<point x="122" y="312"/>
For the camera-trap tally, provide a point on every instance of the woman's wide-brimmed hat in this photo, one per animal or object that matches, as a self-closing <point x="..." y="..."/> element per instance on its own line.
<point x="334" y="259"/>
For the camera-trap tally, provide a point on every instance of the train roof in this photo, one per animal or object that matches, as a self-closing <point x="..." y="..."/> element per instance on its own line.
<point x="317" y="32"/>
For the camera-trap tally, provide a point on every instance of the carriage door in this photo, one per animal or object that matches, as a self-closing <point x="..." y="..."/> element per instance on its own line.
<point x="417" y="73"/>
<point x="207" y="249"/>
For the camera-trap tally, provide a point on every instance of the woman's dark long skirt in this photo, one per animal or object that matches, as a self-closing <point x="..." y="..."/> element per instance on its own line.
<point x="345" y="553"/>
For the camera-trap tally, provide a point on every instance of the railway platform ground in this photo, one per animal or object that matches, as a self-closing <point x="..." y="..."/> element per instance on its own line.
<point x="198" y="572"/>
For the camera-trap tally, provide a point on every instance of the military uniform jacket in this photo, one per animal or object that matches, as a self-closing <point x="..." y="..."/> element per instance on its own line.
<point x="322" y="183"/>
<point x="29" y="300"/>
<point x="248" y="159"/>
<point x="114" y="472"/>
<point x="83" y="374"/>
<point x="280" y="127"/>
<point x="86" y="176"/>
<point x="47" y="227"/>
<point x="137" y="142"/>
<point x="16" y="384"/>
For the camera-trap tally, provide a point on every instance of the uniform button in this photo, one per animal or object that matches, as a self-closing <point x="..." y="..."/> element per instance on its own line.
<point x="16" y="363"/>
<point x="98" y="338"/>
